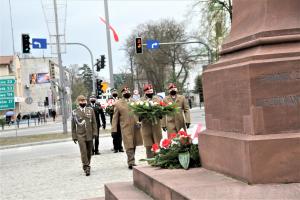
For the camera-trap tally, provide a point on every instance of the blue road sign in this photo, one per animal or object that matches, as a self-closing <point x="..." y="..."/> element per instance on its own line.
<point x="152" y="44"/>
<point x="39" y="43"/>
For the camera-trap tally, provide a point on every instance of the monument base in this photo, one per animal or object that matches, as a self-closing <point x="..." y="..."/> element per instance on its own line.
<point x="272" y="158"/>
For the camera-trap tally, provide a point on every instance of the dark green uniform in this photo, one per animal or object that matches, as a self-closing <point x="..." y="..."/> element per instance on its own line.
<point x="84" y="128"/>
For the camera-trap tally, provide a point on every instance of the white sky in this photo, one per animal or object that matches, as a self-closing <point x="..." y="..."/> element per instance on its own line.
<point x="83" y="25"/>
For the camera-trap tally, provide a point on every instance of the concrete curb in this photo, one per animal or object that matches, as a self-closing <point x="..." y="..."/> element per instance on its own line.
<point x="44" y="142"/>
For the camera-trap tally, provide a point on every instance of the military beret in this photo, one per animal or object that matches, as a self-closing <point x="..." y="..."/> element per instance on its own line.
<point x="172" y="85"/>
<point x="148" y="87"/>
<point x="125" y="88"/>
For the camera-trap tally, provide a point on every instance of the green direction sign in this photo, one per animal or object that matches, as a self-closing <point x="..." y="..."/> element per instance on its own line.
<point x="7" y="88"/>
<point x="6" y="104"/>
<point x="7" y="81"/>
<point x="7" y="95"/>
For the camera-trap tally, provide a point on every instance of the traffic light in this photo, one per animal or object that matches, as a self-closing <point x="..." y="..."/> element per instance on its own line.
<point x="98" y="65"/>
<point x="138" y="45"/>
<point x="102" y="62"/>
<point x="52" y="71"/>
<point x="99" y="87"/>
<point x="25" y="43"/>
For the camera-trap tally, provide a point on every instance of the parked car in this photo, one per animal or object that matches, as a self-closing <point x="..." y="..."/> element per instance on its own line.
<point x="29" y="115"/>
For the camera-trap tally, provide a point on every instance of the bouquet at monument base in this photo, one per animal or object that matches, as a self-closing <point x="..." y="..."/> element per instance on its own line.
<point x="180" y="150"/>
<point x="152" y="111"/>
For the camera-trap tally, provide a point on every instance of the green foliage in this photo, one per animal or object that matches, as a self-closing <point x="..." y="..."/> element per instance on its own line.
<point x="87" y="76"/>
<point x="152" y="111"/>
<point x="181" y="153"/>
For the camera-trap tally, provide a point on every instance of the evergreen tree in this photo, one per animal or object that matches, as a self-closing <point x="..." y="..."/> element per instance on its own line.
<point x="87" y="77"/>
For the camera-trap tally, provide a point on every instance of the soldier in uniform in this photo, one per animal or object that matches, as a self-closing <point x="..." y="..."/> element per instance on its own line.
<point x="84" y="128"/>
<point x="129" y="126"/>
<point x="151" y="132"/>
<point x="98" y="114"/>
<point x="173" y="123"/>
<point x="117" y="136"/>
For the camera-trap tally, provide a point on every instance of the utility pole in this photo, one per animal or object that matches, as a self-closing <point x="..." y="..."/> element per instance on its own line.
<point x="62" y="95"/>
<point x="110" y="64"/>
<point x="12" y="30"/>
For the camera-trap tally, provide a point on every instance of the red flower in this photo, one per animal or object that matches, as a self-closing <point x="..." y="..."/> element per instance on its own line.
<point x="185" y="140"/>
<point x="172" y="135"/>
<point x="182" y="133"/>
<point x="155" y="148"/>
<point x="162" y="103"/>
<point x="166" y="143"/>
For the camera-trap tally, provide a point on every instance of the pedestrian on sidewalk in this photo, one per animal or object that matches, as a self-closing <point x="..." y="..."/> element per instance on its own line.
<point x="53" y="113"/>
<point x="151" y="132"/>
<point x="98" y="114"/>
<point x="181" y="119"/>
<point x="84" y="128"/>
<point x="130" y="128"/>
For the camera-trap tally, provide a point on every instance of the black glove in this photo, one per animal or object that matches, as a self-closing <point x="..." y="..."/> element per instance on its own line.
<point x="187" y="125"/>
<point x="75" y="141"/>
<point x="164" y="128"/>
<point x="103" y="126"/>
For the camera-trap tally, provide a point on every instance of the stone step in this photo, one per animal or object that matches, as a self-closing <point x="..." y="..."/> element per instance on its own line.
<point x="199" y="183"/>
<point x="124" y="191"/>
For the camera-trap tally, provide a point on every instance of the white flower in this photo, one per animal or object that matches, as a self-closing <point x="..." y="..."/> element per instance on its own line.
<point x="147" y="104"/>
<point x="195" y="141"/>
<point x="155" y="103"/>
<point x="151" y="103"/>
<point x="132" y="104"/>
<point x="141" y="103"/>
<point x="170" y="103"/>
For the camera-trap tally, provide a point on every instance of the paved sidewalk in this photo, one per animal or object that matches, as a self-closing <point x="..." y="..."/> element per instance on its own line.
<point x="30" y="173"/>
<point x="32" y="123"/>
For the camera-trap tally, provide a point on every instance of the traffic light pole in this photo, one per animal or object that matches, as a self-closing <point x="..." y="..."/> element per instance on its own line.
<point x="92" y="59"/>
<point x="62" y="94"/>
<point x="209" y="52"/>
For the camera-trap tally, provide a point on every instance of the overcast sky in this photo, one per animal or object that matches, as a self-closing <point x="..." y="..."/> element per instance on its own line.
<point x="83" y="24"/>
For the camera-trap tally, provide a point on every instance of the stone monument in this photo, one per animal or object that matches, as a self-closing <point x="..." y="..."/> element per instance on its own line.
<point x="252" y="96"/>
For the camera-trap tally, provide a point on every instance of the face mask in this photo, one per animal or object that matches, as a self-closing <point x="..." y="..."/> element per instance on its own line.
<point x="115" y="95"/>
<point x="127" y="95"/>
<point x="93" y="102"/>
<point x="173" y="92"/>
<point x="149" y="95"/>
<point x="82" y="105"/>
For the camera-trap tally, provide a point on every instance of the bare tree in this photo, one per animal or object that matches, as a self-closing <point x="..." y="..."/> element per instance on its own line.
<point x="170" y="63"/>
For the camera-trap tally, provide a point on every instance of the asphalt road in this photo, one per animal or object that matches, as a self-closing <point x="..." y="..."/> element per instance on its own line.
<point x="197" y="115"/>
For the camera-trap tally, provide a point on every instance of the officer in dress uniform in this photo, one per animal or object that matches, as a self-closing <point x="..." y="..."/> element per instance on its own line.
<point x="117" y="136"/>
<point x="129" y="126"/>
<point x="181" y="119"/>
<point x="151" y="132"/>
<point x="98" y="114"/>
<point x="84" y="128"/>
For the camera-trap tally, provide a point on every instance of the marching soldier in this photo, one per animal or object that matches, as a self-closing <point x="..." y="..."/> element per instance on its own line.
<point x="129" y="126"/>
<point x="98" y="114"/>
<point x="84" y="128"/>
<point x="151" y="132"/>
<point x="173" y="123"/>
<point x="117" y="136"/>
